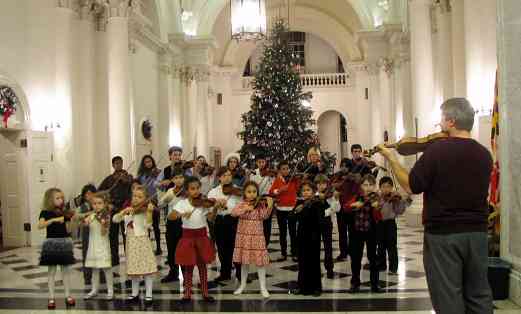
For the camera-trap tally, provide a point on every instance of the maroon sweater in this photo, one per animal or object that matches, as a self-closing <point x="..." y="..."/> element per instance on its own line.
<point x="454" y="176"/>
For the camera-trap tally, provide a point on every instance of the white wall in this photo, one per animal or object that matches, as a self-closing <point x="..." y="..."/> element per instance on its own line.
<point x="145" y="92"/>
<point x="320" y="56"/>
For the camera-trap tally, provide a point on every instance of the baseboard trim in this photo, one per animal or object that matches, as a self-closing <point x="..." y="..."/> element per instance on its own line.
<point x="515" y="286"/>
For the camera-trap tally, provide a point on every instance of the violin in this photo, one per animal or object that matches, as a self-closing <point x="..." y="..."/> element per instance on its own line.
<point x="207" y="170"/>
<point x="411" y="145"/>
<point x="260" y="200"/>
<point x="267" y="172"/>
<point x="371" y="165"/>
<point x="202" y="201"/>
<point x="371" y="198"/>
<point x="103" y="217"/>
<point x="185" y="165"/>
<point x="392" y="197"/>
<point x="229" y="189"/>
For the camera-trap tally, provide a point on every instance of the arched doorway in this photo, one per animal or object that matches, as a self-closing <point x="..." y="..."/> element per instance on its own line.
<point x="332" y="133"/>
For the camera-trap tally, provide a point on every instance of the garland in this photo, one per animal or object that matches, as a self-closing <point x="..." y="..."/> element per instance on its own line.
<point x="8" y="103"/>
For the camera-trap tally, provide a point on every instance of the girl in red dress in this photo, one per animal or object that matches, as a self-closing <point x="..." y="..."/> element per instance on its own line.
<point x="250" y="245"/>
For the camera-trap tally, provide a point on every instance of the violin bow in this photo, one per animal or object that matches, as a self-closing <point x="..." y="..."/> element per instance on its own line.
<point x="119" y="178"/>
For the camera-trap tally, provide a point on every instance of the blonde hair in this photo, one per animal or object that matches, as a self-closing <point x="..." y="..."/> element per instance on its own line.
<point x="48" y="198"/>
<point x="313" y="150"/>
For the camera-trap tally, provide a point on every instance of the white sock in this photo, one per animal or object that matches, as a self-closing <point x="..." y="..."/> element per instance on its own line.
<point x="244" y="279"/>
<point x="148" y="286"/>
<point x="110" y="281"/>
<point x="50" y="278"/>
<point x="95" y="281"/>
<point x="66" y="275"/>
<point x="261" y="271"/>
<point x="135" y="286"/>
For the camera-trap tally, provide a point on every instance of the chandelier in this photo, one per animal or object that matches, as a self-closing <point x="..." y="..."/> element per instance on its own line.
<point x="248" y="19"/>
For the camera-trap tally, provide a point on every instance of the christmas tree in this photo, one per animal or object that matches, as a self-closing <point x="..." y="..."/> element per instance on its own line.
<point x="278" y="124"/>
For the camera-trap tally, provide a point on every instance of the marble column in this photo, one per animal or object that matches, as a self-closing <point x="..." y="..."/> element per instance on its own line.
<point x="202" y="114"/>
<point x="375" y="103"/>
<point x="422" y="66"/>
<point x="85" y="95"/>
<point x="119" y="80"/>
<point x="458" y="48"/>
<point x="64" y="18"/>
<point x="444" y="68"/>
<point x="166" y="101"/>
<point x="509" y="45"/>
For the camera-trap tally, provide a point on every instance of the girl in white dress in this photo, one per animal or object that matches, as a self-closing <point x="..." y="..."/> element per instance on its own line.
<point x="98" y="253"/>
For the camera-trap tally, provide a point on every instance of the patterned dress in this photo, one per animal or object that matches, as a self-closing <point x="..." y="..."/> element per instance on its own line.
<point x="250" y="244"/>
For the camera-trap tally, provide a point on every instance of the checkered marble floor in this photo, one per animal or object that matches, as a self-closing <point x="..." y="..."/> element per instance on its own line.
<point x="23" y="285"/>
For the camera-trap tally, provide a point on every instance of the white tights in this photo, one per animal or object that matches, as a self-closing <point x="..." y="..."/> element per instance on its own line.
<point x="95" y="280"/>
<point x="261" y="271"/>
<point x="148" y="285"/>
<point x="66" y="274"/>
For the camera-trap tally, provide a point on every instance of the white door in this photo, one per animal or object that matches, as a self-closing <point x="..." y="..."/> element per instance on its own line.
<point x="11" y="187"/>
<point x="41" y="176"/>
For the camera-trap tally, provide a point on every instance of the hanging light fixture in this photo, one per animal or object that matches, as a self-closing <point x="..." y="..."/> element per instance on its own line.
<point x="248" y="19"/>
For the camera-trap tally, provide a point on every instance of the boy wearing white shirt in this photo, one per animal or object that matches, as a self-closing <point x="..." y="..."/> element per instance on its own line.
<point x="225" y="225"/>
<point x="326" y="225"/>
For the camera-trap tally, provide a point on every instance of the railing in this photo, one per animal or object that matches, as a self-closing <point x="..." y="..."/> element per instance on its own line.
<point x="319" y="80"/>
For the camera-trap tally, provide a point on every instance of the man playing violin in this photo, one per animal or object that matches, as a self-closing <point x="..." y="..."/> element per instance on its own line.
<point x="453" y="175"/>
<point x="264" y="177"/>
<point x="119" y="186"/>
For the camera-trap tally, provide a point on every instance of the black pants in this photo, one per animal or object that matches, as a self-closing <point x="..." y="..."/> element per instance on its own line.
<point x="174" y="231"/>
<point x="358" y="239"/>
<point x="387" y="238"/>
<point x="326" y="233"/>
<point x="225" y="231"/>
<point x="287" y="221"/>
<point x="342" y="223"/>
<point x="87" y="272"/>
<point x="115" y="229"/>
<point x="266" y="226"/>
<point x="156" y="217"/>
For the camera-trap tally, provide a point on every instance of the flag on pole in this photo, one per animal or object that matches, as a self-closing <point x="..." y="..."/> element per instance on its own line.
<point x="494" y="176"/>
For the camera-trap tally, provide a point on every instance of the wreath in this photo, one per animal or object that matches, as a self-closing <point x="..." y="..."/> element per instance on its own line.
<point x="146" y="129"/>
<point x="8" y="103"/>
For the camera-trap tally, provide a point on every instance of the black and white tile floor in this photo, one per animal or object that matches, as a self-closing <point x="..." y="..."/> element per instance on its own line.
<point x="23" y="286"/>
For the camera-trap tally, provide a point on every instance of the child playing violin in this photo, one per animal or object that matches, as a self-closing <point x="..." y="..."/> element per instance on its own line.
<point x="285" y="190"/>
<point x="141" y="261"/>
<point x="365" y="217"/>
<point x="225" y="223"/>
<point x="57" y="249"/>
<point x="310" y="211"/>
<point x="391" y="205"/>
<point x="174" y="227"/>
<point x="194" y="248"/>
<point x="264" y="177"/>
<point x="98" y="255"/>
<point x="331" y="200"/>
<point x="250" y="245"/>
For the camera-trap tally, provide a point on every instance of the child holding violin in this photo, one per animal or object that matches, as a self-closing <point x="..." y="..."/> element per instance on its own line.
<point x="141" y="261"/>
<point x="310" y="212"/>
<point x="174" y="227"/>
<point x="226" y="196"/>
<point x="285" y="188"/>
<point x="330" y="198"/>
<point x="98" y="255"/>
<point x="250" y="247"/>
<point x="232" y="162"/>
<point x="57" y="249"/>
<point x="391" y="205"/>
<point x="264" y="177"/>
<point x="194" y="248"/>
<point x="365" y="214"/>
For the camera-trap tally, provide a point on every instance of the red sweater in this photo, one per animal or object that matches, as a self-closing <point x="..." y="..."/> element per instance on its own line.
<point x="287" y="198"/>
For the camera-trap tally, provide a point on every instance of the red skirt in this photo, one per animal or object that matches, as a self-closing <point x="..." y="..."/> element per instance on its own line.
<point x="194" y="248"/>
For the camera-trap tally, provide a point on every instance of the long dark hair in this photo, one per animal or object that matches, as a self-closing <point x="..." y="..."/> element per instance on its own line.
<point x="142" y="170"/>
